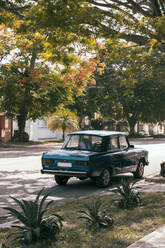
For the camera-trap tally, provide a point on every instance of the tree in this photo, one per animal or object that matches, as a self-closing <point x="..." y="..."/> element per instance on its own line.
<point x="29" y="88"/>
<point x="38" y="73"/>
<point x="84" y="105"/>
<point x="132" y="86"/>
<point x="63" y="119"/>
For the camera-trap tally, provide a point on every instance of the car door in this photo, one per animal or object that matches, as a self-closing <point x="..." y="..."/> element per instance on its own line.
<point x="114" y="155"/>
<point x="127" y="155"/>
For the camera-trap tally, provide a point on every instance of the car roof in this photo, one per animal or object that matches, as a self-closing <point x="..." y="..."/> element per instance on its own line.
<point x="98" y="133"/>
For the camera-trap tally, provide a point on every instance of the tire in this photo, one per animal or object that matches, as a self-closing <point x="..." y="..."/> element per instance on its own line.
<point x="140" y="170"/>
<point x="104" y="179"/>
<point x="61" y="180"/>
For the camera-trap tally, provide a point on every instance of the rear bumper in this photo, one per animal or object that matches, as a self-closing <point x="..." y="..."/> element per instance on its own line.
<point x="65" y="173"/>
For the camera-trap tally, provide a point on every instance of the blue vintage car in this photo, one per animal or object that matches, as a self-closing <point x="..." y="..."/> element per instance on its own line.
<point x="94" y="154"/>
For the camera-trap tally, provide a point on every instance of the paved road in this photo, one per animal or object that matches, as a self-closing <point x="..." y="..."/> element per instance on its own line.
<point x="20" y="174"/>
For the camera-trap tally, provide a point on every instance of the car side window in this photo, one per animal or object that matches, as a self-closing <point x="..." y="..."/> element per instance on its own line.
<point x="85" y="142"/>
<point x="123" y="142"/>
<point x="73" y="142"/>
<point x="97" y="144"/>
<point x="113" y="143"/>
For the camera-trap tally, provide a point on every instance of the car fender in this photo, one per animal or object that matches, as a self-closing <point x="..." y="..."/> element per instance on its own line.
<point x="98" y="165"/>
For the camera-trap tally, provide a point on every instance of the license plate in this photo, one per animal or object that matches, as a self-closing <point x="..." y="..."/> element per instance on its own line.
<point x="63" y="164"/>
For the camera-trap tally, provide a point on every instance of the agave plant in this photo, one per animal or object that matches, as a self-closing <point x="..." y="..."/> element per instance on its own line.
<point x="34" y="225"/>
<point x="129" y="198"/>
<point x="96" y="216"/>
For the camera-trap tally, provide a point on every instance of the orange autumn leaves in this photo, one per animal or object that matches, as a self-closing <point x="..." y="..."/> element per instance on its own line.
<point x="35" y="77"/>
<point x="83" y="76"/>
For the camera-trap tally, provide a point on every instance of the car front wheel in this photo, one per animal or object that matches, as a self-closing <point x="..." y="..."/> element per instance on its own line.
<point x="104" y="179"/>
<point x="61" y="180"/>
<point x="140" y="170"/>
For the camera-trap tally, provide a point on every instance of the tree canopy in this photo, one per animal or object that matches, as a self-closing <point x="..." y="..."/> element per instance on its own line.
<point x="40" y="67"/>
<point x="132" y="87"/>
<point x="141" y="22"/>
<point x="29" y="87"/>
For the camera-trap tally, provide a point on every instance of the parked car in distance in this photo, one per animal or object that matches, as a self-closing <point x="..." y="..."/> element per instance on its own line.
<point x="94" y="154"/>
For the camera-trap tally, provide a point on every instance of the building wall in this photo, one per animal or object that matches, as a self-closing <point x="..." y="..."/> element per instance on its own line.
<point x="5" y="129"/>
<point x="38" y="130"/>
<point x="152" y="129"/>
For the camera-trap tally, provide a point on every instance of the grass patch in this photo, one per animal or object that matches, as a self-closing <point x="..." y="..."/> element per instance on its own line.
<point x="129" y="225"/>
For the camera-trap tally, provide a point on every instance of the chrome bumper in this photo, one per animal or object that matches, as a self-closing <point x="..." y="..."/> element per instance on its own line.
<point x="65" y="173"/>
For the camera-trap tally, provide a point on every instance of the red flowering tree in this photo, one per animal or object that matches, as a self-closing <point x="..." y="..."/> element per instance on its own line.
<point x="29" y="88"/>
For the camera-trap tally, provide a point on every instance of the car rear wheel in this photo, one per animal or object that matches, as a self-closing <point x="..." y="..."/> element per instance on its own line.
<point x="61" y="180"/>
<point x="140" y="170"/>
<point x="104" y="179"/>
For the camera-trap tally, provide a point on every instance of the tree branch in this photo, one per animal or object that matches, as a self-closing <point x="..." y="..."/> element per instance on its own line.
<point x="9" y="7"/>
<point x="162" y="6"/>
<point x="129" y="5"/>
<point x="156" y="8"/>
<point x="115" y="7"/>
<point x="33" y="59"/>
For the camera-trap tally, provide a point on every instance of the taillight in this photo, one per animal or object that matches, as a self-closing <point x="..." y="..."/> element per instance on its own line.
<point x="48" y="161"/>
<point x="81" y="162"/>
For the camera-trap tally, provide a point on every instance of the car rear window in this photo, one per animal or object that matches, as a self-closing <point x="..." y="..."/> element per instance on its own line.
<point x="84" y="142"/>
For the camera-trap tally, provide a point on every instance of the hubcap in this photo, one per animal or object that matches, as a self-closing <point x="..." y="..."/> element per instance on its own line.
<point x="141" y="168"/>
<point x="106" y="177"/>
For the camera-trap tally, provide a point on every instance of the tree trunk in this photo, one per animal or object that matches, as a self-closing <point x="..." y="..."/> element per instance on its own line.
<point x="80" y="122"/>
<point x="21" y="135"/>
<point x="63" y="131"/>
<point x="132" y="122"/>
<point x="21" y="119"/>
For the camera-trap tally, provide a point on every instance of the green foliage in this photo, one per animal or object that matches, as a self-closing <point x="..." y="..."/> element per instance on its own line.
<point x="134" y="21"/>
<point x="34" y="225"/>
<point x="132" y="87"/>
<point x="129" y="198"/>
<point x="84" y="105"/>
<point x="32" y="35"/>
<point x="96" y="216"/>
<point x="30" y="88"/>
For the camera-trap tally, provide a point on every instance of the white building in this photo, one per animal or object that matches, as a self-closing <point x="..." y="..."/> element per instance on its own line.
<point x="38" y="130"/>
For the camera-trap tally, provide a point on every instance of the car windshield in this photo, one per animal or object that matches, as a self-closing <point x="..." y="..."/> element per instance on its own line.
<point x="84" y="142"/>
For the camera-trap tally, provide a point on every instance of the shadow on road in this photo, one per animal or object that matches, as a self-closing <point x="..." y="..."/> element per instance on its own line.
<point x="25" y="185"/>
